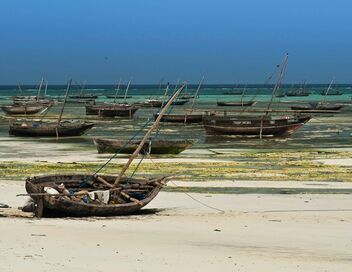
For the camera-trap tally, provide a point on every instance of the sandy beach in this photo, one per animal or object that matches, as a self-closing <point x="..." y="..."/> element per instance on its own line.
<point x="248" y="232"/>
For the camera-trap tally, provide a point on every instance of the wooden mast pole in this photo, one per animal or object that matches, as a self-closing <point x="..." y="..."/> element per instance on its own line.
<point x="117" y="90"/>
<point x="63" y="105"/>
<point x="46" y="88"/>
<point x="326" y="93"/>
<point x="196" y="94"/>
<point x="40" y="87"/>
<point x="128" y="86"/>
<point x="147" y="135"/>
<point x="278" y="83"/>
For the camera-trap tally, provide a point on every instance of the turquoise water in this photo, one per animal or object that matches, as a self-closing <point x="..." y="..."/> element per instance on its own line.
<point x="323" y="131"/>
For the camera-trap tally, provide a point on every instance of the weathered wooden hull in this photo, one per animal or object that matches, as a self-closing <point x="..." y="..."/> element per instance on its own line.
<point x="119" y="96"/>
<point x="318" y="108"/>
<point x="251" y="131"/>
<point x="181" y="118"/>
<point x="236" y="104"/>
<point x="160" y="103"/>
<point x="88" y="96"/>
<point x="42" y="129"/>
<point x="66" y="206"/>
<point x="253" y="126"/>
<point x="157" y="147"/>
<point x="111" y="111"/>
<point x="24" y="109"/>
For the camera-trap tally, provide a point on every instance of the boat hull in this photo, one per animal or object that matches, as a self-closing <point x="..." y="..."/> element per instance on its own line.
<point x="181" y="118"/>
<point x="40" y="129"/>
<point x="157" y="147"/>
<point x="65" y="206"/>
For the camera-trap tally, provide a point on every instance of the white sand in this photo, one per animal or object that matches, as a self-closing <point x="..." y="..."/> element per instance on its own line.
<point x="256" y="233"/>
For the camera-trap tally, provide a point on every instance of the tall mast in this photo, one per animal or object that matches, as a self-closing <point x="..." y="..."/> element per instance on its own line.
<point x="128" y="86"/>
<point x="147" y="135"/>
<point x="117" y="90"/>
<point x="40" y="87"/>
<point x="46" y="88"/>
<point x="63" y="105"/>
<point x="278" y="83"/>
<point x="196" y="94"/>
<point x="326" y="93"/>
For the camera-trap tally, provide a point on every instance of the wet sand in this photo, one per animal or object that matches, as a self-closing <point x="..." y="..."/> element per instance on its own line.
<point x="249" y="232"/>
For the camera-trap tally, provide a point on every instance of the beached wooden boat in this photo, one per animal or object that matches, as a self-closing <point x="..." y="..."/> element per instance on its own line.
<point x="153" y="147"/>
<point x="331" y="92"/>
<point x="82" y="195"/>
<point x="118" y="97"/>
<point x="158" y="103"/>
<point x="236" y="104"/>
<point x="253" y="126"/>
<point x="299" y="92"/>
<point x="318" y="107"/>
<point x="188" y="117"/>
<point x="96" y="195"/>
<point x="41" y="128"/>
<point x="181" y="118"/>
<point x="19" y="109"/>
<point x="112" y="110"/>
<point x="84" y="96"/>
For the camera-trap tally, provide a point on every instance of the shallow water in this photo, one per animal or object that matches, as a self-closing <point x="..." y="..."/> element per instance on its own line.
<point x="322" y="132"/>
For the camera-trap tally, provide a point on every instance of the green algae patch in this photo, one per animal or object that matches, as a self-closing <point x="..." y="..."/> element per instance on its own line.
<point x="280" y="170"/>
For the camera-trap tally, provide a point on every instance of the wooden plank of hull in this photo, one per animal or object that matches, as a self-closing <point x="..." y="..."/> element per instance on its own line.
<point x="158" y="147"/>
<point x="69" y="207"/>
<point x="265" y="130"/>
<point x="49" y="130"/>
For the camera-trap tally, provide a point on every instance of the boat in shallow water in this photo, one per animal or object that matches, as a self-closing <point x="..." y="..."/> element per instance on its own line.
<point x="253" y="126"/>
<point x="112" y="110"/>
<point x="318" y="107"/>
<point x="18" y="109"/>
<point x="181" y="118"/>
<point x="151" y="147"/>
<point x="41" y="128"/>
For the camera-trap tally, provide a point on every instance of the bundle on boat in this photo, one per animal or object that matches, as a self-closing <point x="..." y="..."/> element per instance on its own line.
<point x="112" y="110"/>
<point x="33" y="128"/>
<point x="87" y="195"/>
<point x="236" y="104"/>
<point x="253" y="125"/>
<point x="150" y="147"/>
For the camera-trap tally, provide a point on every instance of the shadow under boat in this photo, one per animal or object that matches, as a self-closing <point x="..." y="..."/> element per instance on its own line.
<point x="153" y="147"/>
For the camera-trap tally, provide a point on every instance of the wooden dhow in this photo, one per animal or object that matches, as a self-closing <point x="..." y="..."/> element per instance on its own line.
<point x="95" y="194"/>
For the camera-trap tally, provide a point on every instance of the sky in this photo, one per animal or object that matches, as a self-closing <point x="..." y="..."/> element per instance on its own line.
<point x="100" y="41"/>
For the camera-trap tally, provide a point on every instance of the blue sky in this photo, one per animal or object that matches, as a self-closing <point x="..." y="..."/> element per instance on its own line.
<point x="227" y="41"/>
